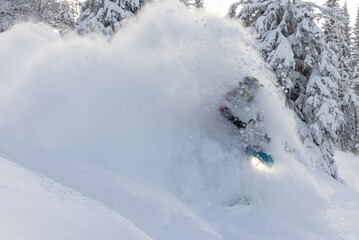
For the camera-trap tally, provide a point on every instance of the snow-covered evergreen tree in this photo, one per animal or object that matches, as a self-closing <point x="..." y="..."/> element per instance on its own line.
<point x="185" y="2"/>
<point x="7" y="15"/>
<point x="196" y="3"/>
<point x="347" y="28"/>
<point x="355" y="78"/>
<point x="337" y="34"/>
<point x="355" y="54"/>
<point x="355" y="50"/>
<point x="199" y="3"/>
<point x="350" y="101"/>
<point x="105" y="15"/>
<point x="293" y="45"/>
<point x="57" y="13"/>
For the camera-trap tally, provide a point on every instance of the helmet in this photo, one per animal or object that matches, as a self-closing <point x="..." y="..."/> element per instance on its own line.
<point x="250" y="82"/>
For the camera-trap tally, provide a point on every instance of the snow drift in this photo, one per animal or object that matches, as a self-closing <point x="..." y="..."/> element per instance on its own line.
<point x="35" y="207"/>
<point x="134" y="123"/>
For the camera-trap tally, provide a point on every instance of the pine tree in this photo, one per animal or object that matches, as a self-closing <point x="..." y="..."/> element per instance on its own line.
<point x="106" y="15"/>
<point x="355" y="79"/>
<point x="355" y="53"/>
<point x="193" y="3"/>
<point x="198" y="3"/>
<point x="337" y="34"/>
<point x="294" y="46"/>
<point x="185" y="2"/>
<point x="347" y="28"/>
<point x="59" y="14"/>
<point x="350" y="102"/>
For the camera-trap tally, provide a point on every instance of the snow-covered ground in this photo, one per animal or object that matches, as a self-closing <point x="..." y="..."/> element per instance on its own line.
<point x="35" y="207"/>
<point x="344" y="199"/>
<point x="130" y="131"/>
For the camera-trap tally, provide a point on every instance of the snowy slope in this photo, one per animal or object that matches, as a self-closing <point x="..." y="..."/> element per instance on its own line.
<point x="35" y="207"/>
<point x="134" y="124"/>
<point x="344" y="199"/>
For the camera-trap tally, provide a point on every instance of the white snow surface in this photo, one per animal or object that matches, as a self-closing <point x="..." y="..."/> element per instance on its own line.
<point x="130" y="131"/>
<point x="35" y="207"/>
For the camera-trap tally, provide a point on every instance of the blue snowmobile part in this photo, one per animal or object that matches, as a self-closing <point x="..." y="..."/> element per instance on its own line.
<point x="262" y="156"/>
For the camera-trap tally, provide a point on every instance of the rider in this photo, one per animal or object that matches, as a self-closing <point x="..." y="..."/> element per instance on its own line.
<point x="247" y="85"/>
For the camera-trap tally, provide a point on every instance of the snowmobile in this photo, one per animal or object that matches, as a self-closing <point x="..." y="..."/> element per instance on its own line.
<point x="244" y="95"/>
